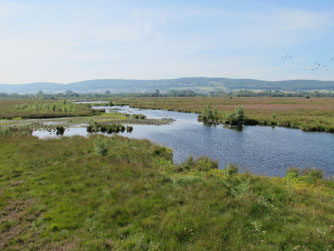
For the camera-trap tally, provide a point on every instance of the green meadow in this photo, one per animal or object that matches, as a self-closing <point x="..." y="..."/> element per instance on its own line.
<point x="101" y="193"/>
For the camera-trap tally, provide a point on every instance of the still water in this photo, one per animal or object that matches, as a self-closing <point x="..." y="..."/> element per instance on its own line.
<point x="257" y="149"/>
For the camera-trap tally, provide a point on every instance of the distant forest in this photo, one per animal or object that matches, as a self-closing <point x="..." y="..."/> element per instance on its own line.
<point x="171" y="93"/>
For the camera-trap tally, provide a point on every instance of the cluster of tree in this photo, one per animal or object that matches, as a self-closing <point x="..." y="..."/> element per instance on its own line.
<point x="270" y="93"/>
<point x="209" y="116"/>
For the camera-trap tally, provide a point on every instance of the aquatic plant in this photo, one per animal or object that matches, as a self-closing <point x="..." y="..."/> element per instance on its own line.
<point x="138" y="116"/>
<point x="60" y="130"/>
<point x="129" y="129"/>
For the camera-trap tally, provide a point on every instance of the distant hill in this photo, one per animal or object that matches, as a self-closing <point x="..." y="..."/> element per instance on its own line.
<point x="199" y="84"/>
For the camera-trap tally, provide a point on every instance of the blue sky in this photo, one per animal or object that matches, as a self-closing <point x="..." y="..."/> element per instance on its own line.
<point x="66" y="41"/>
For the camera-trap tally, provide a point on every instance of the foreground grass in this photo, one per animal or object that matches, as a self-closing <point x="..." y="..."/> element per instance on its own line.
<point x="315" y="114"/>
<point x="67" y="194"/>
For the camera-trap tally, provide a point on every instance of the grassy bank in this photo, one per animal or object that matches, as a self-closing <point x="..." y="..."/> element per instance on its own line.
<point x="102" y="193"/>
<point x="41" y="109"/>
<point x="314" y="114"/>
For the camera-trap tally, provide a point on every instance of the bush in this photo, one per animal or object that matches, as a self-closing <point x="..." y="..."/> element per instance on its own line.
<point x="309" y="175"/>
<point x="164" y="152"/>
<point x="129" y="128"/>
<point x="60" y="130"/>
<point x="237" y="117"/>
<point x="231" y="169"/>
<point x="205" y="164"/>
<point x="139" y="116"/>
<point x="4" y="131"/>
<point x="100" y="145"/>
<point x="188" y="165"/>
<point x="313" y="173"/>
<point x="293" y="172"/>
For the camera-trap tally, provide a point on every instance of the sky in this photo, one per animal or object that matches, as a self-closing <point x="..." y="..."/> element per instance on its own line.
<point x="65" y="41"/>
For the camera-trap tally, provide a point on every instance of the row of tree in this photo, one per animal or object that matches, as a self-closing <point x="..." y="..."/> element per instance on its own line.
<point x="171" y="93"/>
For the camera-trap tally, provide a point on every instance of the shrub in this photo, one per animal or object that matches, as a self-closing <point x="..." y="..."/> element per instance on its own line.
<point x="313" y="173"/>
<point x="129" y="128"/>
<point x="187" y="165"/>
<point x="100" y="145"/>
<point x="139" y="116"/>
<point x="237" y="117"/>
<point x="231" y="169"/>
<point x="60" y="130"/>
<point x="164" y="152"/>
<point x="309" y="175"/>
<point x="205" y="164"/>
<point x="293" y="172"/>
<point x="4" y="131"/>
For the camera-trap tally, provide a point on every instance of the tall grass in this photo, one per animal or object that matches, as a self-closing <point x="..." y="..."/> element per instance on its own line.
<point x="37" y="109"/>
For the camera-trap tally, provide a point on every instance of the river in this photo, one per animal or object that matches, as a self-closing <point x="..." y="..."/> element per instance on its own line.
<point x="260" y="150"/>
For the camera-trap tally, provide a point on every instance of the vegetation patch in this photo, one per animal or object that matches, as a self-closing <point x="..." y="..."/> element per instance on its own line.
<point x="308" y="114"/>
<point x="115" y="193"/>
<point x="41" y="108"/>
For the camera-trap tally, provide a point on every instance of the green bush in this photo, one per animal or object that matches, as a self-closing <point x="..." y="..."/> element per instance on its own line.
<point x="309" y="175"/>
<point x="231" y="169"/>
<point x="293" y="172"/>
<point x="163" y="152"/>
<point x="100" y="146"/>
<point x="205" y="164"/>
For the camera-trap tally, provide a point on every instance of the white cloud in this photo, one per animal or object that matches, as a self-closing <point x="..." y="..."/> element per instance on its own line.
<point x="43" y="44"/>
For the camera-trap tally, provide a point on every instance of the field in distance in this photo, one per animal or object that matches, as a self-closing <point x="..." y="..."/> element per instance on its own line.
<point x="310" y="114"/>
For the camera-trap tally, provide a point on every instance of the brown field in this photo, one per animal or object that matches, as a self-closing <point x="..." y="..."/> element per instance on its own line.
<point x="315" y="114"/>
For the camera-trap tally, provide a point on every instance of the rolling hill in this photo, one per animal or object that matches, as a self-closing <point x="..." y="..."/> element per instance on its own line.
<point x="200" y="84"/>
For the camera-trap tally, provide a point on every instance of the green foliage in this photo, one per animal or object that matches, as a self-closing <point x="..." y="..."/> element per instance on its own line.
<point x="237" y="117"/>
<point x="205" y="164"/>
<point x="60" y="130"/>
<point x="208" y="112"/>
<point x="231" y="169"/>
<point x="138" y="116"/>
<point x="6" y="131"/>
<point x="107" y="128"/>
<point x="40" y="108"/>
<point x="309" y="175"/>
<point x="101" y="146"/>
<point x="59" y="106"/>
<point x="163" y="152"/>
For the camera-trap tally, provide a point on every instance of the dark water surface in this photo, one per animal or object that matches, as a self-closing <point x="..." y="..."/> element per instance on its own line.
<point x="259" y="149"/>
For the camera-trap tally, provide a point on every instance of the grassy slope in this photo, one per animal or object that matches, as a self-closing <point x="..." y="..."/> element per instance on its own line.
<point x="59" y="194"/>
<point x="309" y="114"/>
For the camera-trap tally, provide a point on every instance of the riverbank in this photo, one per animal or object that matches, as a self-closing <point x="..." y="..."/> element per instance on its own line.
<point x="314" y="114"/>
<point x="69" y="194"/>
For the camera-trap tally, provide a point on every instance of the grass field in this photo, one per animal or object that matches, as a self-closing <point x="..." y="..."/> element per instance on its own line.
<point x="39" y="108"/>
<point x="315" y="114"/>
<point x="67" y="194"/>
